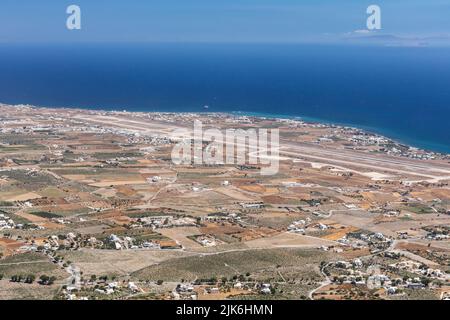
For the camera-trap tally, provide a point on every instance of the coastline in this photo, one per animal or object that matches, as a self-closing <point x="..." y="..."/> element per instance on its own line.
<point x="409" y="105"/>
<point x="426" y="146"/>
<point x="389" y="134"/>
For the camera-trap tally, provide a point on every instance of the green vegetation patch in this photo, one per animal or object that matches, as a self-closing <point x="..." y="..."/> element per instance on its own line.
<point x="230" y="263"/>
<point x="45" y="214"/>
<point x="114" y="155"/>
<point x="6" y="204"/>
<point x="27" y="263"/>
<point x="418" y="208"/>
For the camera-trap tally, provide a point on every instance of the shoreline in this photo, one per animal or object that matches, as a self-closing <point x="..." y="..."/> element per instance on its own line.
<point x="386" y="133"/>
<point x="312" y="120"/>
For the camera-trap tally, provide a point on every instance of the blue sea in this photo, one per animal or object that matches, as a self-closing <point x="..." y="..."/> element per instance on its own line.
<point x="401" y="92"/>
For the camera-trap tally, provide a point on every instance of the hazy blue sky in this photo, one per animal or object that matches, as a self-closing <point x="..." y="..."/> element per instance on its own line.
<point x="221" y="20"/>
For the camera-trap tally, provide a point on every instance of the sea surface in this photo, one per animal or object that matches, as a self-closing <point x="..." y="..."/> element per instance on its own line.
<point x="401" y="92"/>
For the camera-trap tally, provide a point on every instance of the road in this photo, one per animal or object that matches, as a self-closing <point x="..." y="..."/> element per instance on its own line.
<point x="75" y="276"/>
<point x="324" y="283"/>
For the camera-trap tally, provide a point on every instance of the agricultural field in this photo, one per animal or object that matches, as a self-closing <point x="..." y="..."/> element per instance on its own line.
<point x="91" y="202"/>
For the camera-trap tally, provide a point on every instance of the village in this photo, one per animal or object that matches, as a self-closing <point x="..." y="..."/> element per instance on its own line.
<point x="92" y="207"/>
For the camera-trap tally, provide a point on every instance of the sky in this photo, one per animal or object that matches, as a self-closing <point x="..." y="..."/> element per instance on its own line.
<point x="404" y="22"/>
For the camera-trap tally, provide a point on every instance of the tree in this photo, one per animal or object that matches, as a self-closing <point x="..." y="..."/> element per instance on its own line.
<point x="213" y="280"/>
<point x="425" y="281"/>
<point x="30" y="278"/>
<point x="159" y="282"/>
<point x="44" y="279"/>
